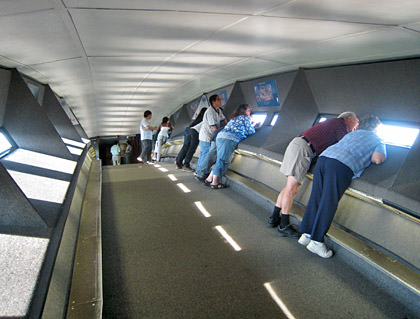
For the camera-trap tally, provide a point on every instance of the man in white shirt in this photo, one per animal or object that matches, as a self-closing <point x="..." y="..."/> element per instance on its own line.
<point x="146" y="136"/>
<point x="211" y="122"/>
<point x="116" y="154"/>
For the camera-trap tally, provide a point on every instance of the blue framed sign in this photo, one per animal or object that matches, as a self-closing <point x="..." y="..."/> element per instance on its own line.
<point x="203" y="103"/>
<point x="223" y="98"/>
<point x="266" y="93"/>
<point x="194" y="106"/>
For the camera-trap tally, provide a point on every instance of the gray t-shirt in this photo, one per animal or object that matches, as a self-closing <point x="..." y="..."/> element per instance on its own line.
<point x="145" y="134"/>
<point x="212" y="117"/>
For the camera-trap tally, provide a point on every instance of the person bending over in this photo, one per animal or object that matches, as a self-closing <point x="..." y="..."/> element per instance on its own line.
<point x="297" y="161"/>
<point x="210" y="159"/>
<point x="211" y="122"/>
<point x="334" y="171"/>
<point x="236" y="130"/>
<point x="162" y="137"/>
<point x="190" y="143"/>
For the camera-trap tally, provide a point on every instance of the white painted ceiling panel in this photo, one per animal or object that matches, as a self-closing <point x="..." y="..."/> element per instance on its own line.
<point x="76" y="69"/>
<point x="122" y="65"/>
<point x="359" y="11"/>
<point x="250" y="68"/>
<point x="113" y="59"/>
<point x="119" y="32"/>
<point x="29" y="71"/>
<point x="7" y="62"/>
<point x="36" y="37"/>
<point x="371" y="46"/>
<point x="8" y="7"/>
<point x="256" y="35"/>
<point x="219" y="6"/>
<point x="414" y="26"/>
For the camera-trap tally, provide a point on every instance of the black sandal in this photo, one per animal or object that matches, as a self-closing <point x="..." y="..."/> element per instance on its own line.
<point x="206" y="182"/>
<point x="218" y="186"/>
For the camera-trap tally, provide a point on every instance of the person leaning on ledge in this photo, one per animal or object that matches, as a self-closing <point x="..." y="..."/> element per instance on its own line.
<point x="334" y="171"/>
<point x="297" y="161"/>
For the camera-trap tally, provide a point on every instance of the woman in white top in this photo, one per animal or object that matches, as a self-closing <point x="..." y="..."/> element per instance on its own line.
<point x="162" y="137"/>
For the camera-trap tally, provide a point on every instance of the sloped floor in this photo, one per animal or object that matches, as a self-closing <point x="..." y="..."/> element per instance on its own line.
<point x="163" y="259"/>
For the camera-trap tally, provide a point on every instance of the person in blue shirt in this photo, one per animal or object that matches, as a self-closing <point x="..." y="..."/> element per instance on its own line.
<point x="236" y="130"/>
<point x="334" y="171"/>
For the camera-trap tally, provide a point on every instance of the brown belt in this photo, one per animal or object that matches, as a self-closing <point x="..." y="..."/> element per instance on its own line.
<point x="309" y="143"/>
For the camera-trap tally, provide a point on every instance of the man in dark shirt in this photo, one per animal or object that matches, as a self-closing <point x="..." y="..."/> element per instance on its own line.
<point x="297" y="160"/>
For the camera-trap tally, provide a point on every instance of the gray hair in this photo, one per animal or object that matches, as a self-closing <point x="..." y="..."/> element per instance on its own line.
<point x="347" y="114"/>
<point x="369" y="122"/>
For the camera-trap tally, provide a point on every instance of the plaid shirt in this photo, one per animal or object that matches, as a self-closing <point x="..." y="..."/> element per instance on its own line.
<point x="325" y="134"/>
<point x="355" y="150"/>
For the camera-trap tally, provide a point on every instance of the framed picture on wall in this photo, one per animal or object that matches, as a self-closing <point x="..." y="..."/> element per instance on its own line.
<point x="203" y="103"/>
<point x="266" y="93"/>
<point x="223" y="97"/>
<point x="194" y="106"/>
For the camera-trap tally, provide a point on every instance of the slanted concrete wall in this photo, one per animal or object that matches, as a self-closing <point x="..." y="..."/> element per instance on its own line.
<point x="236" y="98"/>
<point x="4" y="91"/>
<point x="296" y="115"/>
<point x="58" y="117"/>
<point x="183" y="120"/>
<point x="15" y="209"/>
<point x="28" y="124"/>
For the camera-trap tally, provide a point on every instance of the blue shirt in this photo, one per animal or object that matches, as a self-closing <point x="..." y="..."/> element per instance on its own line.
<point x="237" y="129"/>
<point x="355" y="150"/>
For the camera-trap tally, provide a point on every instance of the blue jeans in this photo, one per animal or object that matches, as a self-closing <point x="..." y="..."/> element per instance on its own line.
<point x="207" y="162"/>
<point x="181" y="154"/>
<point x="331" y="179"/>
<point x="204" y="149"/>
<point x="225" y="149"/>
<point x="188" y="149"/>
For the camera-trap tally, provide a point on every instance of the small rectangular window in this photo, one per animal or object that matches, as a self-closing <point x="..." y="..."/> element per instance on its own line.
<point x="36" y="89"/>
<point x="274" y="119"/>
<point x="322" y="117"/>
<point x="5" y="144"/>
<point x="398" y="135"/>
<point x="259" y="118"/>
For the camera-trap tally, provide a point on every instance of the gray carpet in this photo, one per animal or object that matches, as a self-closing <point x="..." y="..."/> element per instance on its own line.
<point x="163" y="259"/>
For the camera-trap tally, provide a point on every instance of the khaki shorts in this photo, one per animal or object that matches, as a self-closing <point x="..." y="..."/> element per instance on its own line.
<point x="297" y="159"/>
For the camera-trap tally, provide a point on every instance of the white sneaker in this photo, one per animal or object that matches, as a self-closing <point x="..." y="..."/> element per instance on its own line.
<point x="320" y="249"/>
<point x="305" y="239"/>
<point x="139" y="159"/>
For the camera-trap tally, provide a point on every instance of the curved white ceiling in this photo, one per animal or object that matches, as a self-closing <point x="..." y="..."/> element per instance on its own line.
<point x="113" y="59"/>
